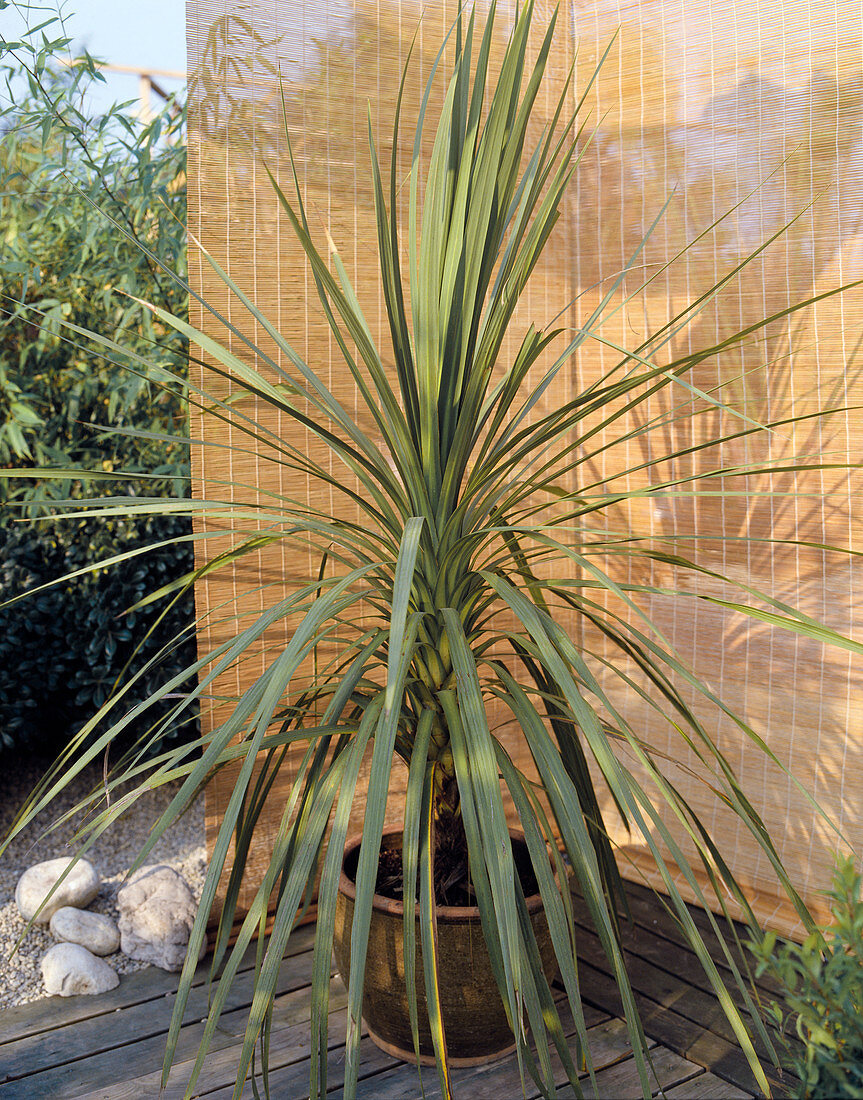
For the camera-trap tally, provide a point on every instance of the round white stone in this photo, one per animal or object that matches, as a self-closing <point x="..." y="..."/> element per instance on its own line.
<point x="94" y="931"/>
<point x="70" y="970"/>
<point x="79" y="887"/>
<point x="157" y="911"/>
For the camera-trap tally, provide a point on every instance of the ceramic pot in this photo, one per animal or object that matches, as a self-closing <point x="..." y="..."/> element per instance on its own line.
<point x="473" y="1014"/>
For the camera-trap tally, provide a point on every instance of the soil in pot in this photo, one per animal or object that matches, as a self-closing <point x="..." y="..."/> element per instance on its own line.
<point x="473" y="1013"/>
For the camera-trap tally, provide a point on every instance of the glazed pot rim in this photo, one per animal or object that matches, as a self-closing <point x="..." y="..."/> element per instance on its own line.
<point x="452" y="914"/>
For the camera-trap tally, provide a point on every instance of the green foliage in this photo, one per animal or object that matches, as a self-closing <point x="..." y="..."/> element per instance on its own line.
<point x="89" y="209"/>
<point x="822" y="981"/>
<point x="63" y="650"/>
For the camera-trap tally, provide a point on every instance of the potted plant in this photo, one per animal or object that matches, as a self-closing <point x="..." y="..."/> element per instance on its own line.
<point x="447" y="596"/>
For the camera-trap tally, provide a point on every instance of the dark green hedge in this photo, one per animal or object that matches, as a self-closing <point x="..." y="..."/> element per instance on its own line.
<point x="62" y="650"/>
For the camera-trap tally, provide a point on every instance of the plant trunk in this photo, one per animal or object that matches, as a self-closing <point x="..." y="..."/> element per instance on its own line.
<point x="451" y="866"/>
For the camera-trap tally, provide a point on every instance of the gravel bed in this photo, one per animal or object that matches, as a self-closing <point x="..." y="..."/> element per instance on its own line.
<point x="182" y="848"/>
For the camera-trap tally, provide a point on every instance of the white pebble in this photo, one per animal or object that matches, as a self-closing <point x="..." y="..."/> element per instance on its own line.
<point x="71" y="970"/>
<point x="157" y="911"/>
<point x="78" y="888"/>
<point x="94" y="931"/>
<point x="181" y="847"/>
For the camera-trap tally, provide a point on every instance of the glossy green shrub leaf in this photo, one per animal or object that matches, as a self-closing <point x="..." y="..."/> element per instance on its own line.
<point x="822" y="986"/>
<point x="62" y="404"/>
<point x="63" y="652"/>
<point x="62" y="260"/>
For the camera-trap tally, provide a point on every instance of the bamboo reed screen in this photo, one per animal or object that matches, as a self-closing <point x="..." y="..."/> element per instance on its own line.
<point x="741" y="106"/>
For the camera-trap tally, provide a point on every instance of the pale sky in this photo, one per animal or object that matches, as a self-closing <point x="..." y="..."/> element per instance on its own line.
<point x="147" y="34"/>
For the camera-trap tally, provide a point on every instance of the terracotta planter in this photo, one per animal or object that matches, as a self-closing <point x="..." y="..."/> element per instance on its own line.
<point x="473" y="1014"/>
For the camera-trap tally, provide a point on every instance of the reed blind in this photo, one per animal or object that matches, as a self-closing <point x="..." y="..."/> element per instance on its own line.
<point x="747" y="109"/>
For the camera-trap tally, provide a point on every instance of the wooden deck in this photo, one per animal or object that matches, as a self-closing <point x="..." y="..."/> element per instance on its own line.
<point x="111" y="1046"/>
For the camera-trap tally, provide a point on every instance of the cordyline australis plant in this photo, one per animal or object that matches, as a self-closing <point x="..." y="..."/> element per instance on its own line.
<point x="465" y="520"/>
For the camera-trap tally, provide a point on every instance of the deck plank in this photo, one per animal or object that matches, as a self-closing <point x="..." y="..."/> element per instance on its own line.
<point x="648" y="911"/>
<point x="674" y="1005"/>
<point x="622" y="1080"/>
<point x="607" y="1039"/>
<point x="706" y="1087"/>
<point x="293" y="1080"/>
<point x="687" y="1037"/>
<point x="137" y="988"/>
<point x="290" y="1043"/>
<point x="88" y="1055"/>
<point x="111" y="1047"/>
<point x="672" y="975"/>
<point x="608" y="1043"/>
<point x="660" y="947"/>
